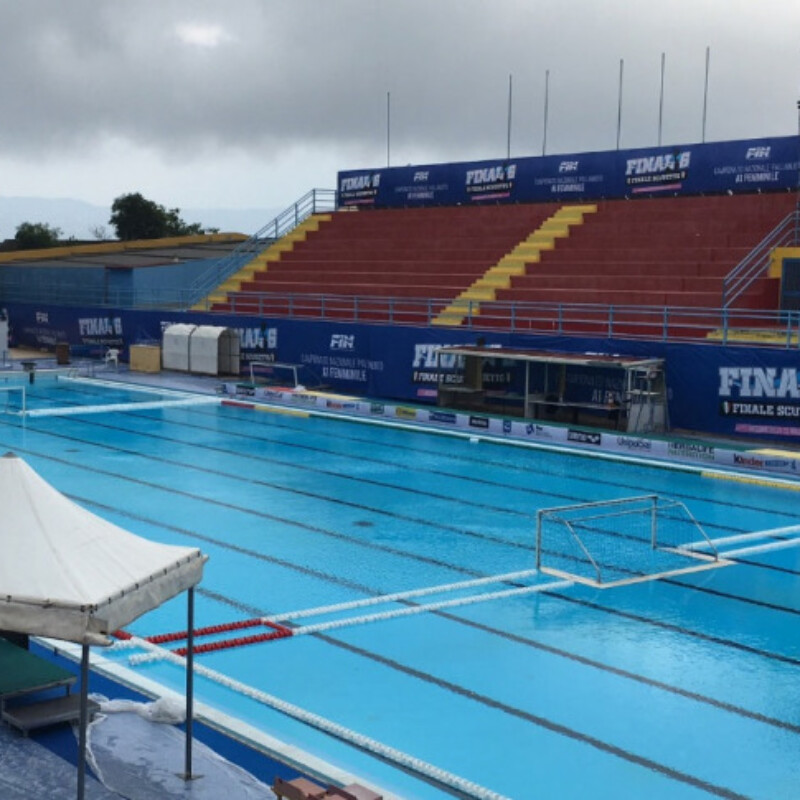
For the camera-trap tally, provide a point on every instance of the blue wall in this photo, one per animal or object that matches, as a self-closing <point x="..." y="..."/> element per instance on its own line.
<point x="745" y="391"/>
<point x="98" y="283"/>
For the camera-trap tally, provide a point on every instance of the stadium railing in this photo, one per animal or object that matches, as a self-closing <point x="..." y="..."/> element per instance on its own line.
<point x="653" y="323"/>
<point x="314" y="202"/>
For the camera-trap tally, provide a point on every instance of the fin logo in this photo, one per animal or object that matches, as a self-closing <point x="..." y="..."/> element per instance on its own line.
<point x="343" y="341"/>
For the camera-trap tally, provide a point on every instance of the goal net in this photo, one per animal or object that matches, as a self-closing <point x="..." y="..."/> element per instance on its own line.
<point x="13" y="399"/>
<point x="615" y="542"/>
<point x="275" y="374"/>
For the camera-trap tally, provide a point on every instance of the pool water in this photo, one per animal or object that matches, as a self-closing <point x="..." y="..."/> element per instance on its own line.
<point x="684" y="687"/>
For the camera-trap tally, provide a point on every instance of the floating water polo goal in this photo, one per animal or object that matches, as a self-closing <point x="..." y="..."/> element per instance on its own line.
<point x="617" y="542"/>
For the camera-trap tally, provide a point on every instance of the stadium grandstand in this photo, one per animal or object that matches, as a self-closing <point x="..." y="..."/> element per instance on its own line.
<point x="686" y="256"/>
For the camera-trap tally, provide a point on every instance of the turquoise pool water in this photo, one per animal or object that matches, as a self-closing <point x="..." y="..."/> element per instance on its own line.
<point x="686" y="687"/>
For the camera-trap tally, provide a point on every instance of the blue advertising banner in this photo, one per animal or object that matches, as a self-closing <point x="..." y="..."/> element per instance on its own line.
<point x="746" y="165"/>
<point x="745" y="391"/>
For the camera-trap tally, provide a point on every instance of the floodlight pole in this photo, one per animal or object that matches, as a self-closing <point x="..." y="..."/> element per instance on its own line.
<point x="388" y="128"/>
<point x="705" y="93"/>
<point x="661" y="99"/>
<point x="546" y="105"/>
<point x="508" y="135"/>
<point x="619" y="101"/>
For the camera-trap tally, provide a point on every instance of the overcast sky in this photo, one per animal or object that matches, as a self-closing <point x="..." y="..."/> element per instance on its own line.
<point x="251" y="103"/>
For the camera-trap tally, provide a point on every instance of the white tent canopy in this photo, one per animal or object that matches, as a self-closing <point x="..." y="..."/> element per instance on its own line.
<point x="69" y="574"/>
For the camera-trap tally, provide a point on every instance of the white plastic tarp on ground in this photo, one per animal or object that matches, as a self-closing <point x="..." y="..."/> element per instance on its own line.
<point x="69" y="574"/>
<point x="135" y="756"/>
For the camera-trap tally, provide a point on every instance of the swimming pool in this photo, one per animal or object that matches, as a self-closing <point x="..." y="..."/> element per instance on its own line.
<point x="685" y="687"/>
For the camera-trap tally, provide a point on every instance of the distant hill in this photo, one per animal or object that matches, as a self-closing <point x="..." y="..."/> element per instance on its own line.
<point x="80" y="220"/>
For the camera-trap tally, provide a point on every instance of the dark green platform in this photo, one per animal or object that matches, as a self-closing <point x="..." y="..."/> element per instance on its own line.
<point x="23" y="673"/>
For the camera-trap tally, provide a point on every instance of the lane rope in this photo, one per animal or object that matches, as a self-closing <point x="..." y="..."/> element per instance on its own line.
<point x="334" y="729"/>
<point x="145" y="658"/>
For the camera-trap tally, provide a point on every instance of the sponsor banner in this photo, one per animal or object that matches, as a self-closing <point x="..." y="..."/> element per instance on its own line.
<point x="404" y="412"/>
<point x="747" y="391"/>
<point x="623" y="444"/>
<point x="581" y="437"/>
<point x="765" y="463"/>
<point x="693" y="452"/>
<point x="635" y="446"/>
<point x="443" y="417"/>
<point x="745" y="165"/>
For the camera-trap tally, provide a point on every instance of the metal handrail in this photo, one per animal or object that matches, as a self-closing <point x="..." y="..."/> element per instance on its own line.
<point x="314" y="202"/>
<point x="756" y="263"/>
<point x="646" y="323"/>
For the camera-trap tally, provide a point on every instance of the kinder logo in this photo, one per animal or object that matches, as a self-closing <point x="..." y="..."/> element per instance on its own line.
<point x="584" y="437"/>
<point x="342" y="341"/>
<point x="748" y="461"/>
<point x="754" y="462"/>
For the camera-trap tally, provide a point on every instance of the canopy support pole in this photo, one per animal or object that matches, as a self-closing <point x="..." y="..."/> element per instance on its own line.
<point x="84" y="720"/>
<point x="189" y="682"/>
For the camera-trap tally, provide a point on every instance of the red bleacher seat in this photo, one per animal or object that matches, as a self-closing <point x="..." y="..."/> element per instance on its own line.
<point x="405" y="265"/>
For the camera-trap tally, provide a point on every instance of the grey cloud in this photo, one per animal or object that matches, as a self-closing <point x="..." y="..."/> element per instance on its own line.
<point x="316" y="74"/>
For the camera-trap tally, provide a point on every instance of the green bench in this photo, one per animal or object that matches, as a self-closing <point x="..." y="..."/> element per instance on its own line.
<point x="23" y="675"/>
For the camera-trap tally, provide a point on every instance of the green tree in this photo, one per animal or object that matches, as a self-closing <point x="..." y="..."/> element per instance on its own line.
<point x="36" y="235"/>
<point x="136" y="217"/>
